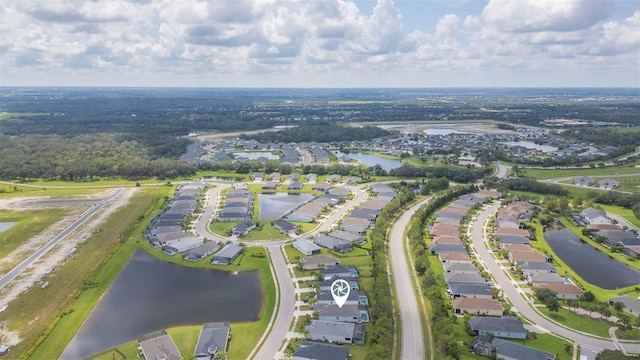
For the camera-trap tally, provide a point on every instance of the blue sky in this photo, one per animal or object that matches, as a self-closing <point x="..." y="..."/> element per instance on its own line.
<point x="320" y="43"/>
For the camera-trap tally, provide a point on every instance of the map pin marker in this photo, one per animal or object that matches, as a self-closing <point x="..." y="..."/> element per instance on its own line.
<point x="340" y="290"/>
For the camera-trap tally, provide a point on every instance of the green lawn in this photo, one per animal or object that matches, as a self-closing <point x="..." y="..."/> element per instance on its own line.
<point x="222" y="228"/>
<point x="625" y="213"/>
<point x="633" y="334"/>
<point x="264" y="231"/>
<point x="9" y="191"/>
<point x="606" y="171"/>
<point x="582" y="323"/>
<point x="305" y="227"/>
<point x="549" y="343"/>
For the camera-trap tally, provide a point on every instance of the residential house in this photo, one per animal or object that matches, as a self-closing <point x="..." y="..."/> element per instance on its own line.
<point x="595" y="216"/>
<point x="243" y="228"/>
<point x="507" y="350"/>
<point x="466" y="278"/>
<point x="504" y="327"/>
<point x="631" y="305"/>
<point x="442" y="239"/>
<point x="518" y="257"/>
<point x="159" y="345"/>
<point x="295" y="186"/>
<point x="346" y="313"/>
<point x="213" y="339"/>
<point x="564" y="291"/>
<point x="306" y="247"/>
<point x="460" y="268"/>
<point x="284" y="226"/>
<point x="227" y="254"/>
<point x="339" y="271"/>
<point x="275" y="177"/>
<point x="318" y="262"/>
<point x="309" y="350"/>
<point x="336" y="332"/>
<point x="325" y="285"/>
<point x="333" y="243"/>
<point x="512" y="232"/>
<point x="271" y="186"/>
<point x="544" y="278"/>
<point x="448" y="258"/>
<point x="482" y="291"/>
<point x="511" y="239"/>
<point x="584" y="181"/>
<point x="531" y="268"/>
<point x="347" y="236"/>
<point x="202" y="251"/>
<point x="477" y="306"/>
<point x="437" y="249"/>
<point x="182" y="245"/>
<point x="324" y="187"/>
<point x="608" y="184"/>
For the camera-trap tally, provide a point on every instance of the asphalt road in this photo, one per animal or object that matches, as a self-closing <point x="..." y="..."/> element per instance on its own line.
<point x="411" y="324"/>
<point x="202" y="226"/>
<point x="590" y="345"/>
<point x="11" y="275"/>
<point x="286" y="308"/>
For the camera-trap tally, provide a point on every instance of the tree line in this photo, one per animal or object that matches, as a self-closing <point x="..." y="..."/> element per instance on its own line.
<point x="321" y="132"/>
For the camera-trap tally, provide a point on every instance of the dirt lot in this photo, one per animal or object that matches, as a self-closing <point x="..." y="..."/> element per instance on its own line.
<point x="58" y="254"/>
<point x="472" y="128"/>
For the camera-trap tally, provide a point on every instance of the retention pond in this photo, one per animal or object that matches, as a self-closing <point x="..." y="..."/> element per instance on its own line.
<point x="593" y="266"/>
<point x="150" y="294"/>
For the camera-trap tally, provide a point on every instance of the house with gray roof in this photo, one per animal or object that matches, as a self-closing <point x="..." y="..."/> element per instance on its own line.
<point x="544" y="278"/>
<point x="461" y="268"/>
<point x="631" y="305"/>
<point x="159" y="345"/>
<point x="584" y="181"/>
<point x="336" y="332"/>
<point x="202" y="251"/>
<point x="318" y="262"/>
<point x="284" y="226"/>
<point x="333" y="243"/>
<point x="468" y="279"/>
<point x="437" y="249"/>
<point x="513" y="239"/>
<point x="243" y="228"/>
<point x="507" y="350"/>
<point x="213" y="339"/>
<point x="531" y="268"/>
<point x="607" y="184"/>
<point x="182" y="245"/>
<point x="340" y="271"/>
<point x="354" y="298"/>
<point x="504" y="327"/>
<point x="346" y="313"/>
<point x="355" y="229"/>
<point x="481" y="291"/>
<point x="227" y="254"/>
<point x="595" y="216"/>
<point x="347" y="236"/>
<point x="325" y="285"/>
<point x="309" y="350"/>
<point x="306" y="247"/>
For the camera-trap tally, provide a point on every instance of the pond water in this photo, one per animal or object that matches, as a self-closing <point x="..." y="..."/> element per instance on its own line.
<point x="150" y="294"/>
<point x="6" y="225"/>
<point x="370" y="160"/>
<point x="254" y="155"/>
<point x="531" y="145"/>
<point x="592" y="265"/>
<point x="275" y="206"/>
<point x="443" y="132"/>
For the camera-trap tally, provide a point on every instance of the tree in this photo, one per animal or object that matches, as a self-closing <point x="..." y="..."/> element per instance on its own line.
<point x="618" y="306"/>
<point x="552" y="304"/>
<point x="588" y="296"/>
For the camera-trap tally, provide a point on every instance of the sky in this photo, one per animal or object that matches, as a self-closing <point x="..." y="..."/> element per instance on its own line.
<point x="320" y="43"/>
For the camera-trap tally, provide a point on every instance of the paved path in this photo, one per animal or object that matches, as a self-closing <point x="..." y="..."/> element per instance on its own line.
<point x="590" y="345"/>
<point x="411" y="322"/>
<point x="211" y="200"/>
<point x="11" y="275"/>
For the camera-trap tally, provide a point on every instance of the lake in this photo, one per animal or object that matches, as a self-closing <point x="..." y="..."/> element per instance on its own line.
<point x="254" y="155"/>
<point x="370" y="160"/>
<point x="275" y="206"/>
<point x="592" y="265"/>
<point x="6" y="225"/>
<point x="531" y="145"/>
<point x="149" y="294"/>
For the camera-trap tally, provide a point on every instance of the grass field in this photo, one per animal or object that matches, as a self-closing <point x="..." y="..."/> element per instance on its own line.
<point x="29" y="224"/>
<point x="551" y="344"/>
<point x="559" y="173"/>
<point x="571" y="320"/>
<point x="625" y="213"/>
<point x="49" y="317"/>
<point x="12" y="191"/>
<point x="633" y="334"/>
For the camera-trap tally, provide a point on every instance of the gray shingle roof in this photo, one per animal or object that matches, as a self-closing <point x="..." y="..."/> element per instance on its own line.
<point x="489" y="323"/>
<point x="320" y="351"/>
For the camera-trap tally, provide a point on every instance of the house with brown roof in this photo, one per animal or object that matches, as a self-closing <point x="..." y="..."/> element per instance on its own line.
<point x="515" y="232"/>
<point x="446" y="240"/>
<point x="477" y="306"/>
<point x="518" y="257"/>
<point x="489" y="194"/>
<point x="516" y="247"/>
<point x="445" y="226"/>
<point x="564" y="291"/>
<point x="444" y="232"/>
<point x="446" y="258"/>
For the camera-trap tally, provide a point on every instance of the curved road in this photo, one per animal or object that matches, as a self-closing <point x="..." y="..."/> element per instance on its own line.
<point x="11" y="275"/>
<point x="590" y="345"/>
<point x="411" y="322"/>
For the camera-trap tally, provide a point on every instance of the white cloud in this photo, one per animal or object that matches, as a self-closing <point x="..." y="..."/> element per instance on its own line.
<point x="230" y="42"/>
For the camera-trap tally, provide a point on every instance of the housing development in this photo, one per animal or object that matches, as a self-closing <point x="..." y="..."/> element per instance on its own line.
<point x="464" y="225"/>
